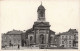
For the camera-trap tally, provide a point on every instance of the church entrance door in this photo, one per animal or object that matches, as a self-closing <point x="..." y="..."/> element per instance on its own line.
<point x="41" y="39"/>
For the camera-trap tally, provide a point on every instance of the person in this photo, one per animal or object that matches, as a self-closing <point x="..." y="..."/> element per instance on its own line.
<point x="18" y="46"/>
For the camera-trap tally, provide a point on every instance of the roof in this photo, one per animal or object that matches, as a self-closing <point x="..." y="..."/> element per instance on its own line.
<point x="69" y="32"/>
<point x="41" y="7"/>
<point x="30" y="30"/>
<point x="15" y="32"/>
<point x="66" y="33"/>
<point x="52" y="32"/>
<point x="73" y="30"/>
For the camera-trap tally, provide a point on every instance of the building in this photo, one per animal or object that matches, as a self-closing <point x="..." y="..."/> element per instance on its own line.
<point x="67" y="39"/>
<point x="75" y="41"/>
<point x="40" y="34"/>
<point x="12" y="38"/>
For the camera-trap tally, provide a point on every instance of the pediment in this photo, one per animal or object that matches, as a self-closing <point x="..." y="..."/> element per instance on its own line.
<point x="42" y="24"/>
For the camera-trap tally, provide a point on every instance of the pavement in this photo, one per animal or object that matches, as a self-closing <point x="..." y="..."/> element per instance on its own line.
<point x="22" y="48"/>
<point x="16" y="48"/>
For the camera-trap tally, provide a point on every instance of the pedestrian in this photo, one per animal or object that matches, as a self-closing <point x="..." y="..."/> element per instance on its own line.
<point x="18" y="46"/>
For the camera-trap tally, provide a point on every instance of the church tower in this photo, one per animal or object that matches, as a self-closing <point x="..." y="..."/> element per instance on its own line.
<point x="41" y="13"/>
<point x="41" y="28"/>
<point x="40" y="33"/>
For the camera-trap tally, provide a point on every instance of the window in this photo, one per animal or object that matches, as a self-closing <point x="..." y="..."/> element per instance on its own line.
<point x="69" y="42"/>
<point x="66" y="36"/>
<point x="31" y="38"/>
<point x="69" y="45"/>
<point x="69" y="37"/>
<point x="5" y="37"/>
<point x="62" y="37"/>
<point x="50" y="39"/>
<point x="41" y="13"/>
<point x="62" y="42"/>
<point x="55" y="40"/>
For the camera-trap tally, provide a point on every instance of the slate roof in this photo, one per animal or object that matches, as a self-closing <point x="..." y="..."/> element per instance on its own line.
<point x="66" y="33"/>
<point x="14" y="32"/>
<point x="52" y="32"/>
<point x="30" y="31"/>
<point x="73" y="31"/>
<point x="69" y="32"/>
<point x="41" y="7"/>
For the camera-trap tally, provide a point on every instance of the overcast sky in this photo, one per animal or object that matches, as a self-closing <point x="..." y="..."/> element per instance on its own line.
<point x="21" y="15"/>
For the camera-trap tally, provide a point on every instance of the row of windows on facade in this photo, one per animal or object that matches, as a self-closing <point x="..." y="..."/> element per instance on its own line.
<point x="67" y="37"/>
<point x="13" y="35"/>
<point x="68" y="45"/>
<point x="63" y="42"/>
<point x="9" y="38"/>
<point x="12" y="41"/>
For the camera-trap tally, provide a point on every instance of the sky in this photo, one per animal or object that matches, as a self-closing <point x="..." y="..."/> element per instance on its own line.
<point x="21" y="14"/>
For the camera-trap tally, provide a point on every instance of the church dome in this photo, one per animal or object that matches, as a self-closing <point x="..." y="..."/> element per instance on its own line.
<point x="41" y="7"/>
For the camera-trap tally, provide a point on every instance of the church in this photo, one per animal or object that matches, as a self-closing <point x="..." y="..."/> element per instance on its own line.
<point x="40" y="34"/>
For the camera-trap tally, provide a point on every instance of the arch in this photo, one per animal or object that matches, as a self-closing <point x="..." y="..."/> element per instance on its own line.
<point x="42" y="39"/>
<point x="31" y="38"/>
<point x="51" y="38"/>
<point x="41" y="13"/>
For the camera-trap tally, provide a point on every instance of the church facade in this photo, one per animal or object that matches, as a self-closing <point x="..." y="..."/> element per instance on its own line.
<point x="40" y="34"/>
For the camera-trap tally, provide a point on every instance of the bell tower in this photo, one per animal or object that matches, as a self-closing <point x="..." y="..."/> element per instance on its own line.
<point x="41" y="13"/>
<point x="41" y="28"/>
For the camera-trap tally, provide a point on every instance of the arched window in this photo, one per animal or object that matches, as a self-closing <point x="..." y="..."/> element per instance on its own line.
<point x="50" y="39"/>
<point x="41" y="13"/>
<point x="42" y="38"/>
<point x="31" y="38"/>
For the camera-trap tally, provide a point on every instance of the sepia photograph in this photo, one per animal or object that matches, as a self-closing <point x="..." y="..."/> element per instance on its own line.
<point x="39" y="24"/>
